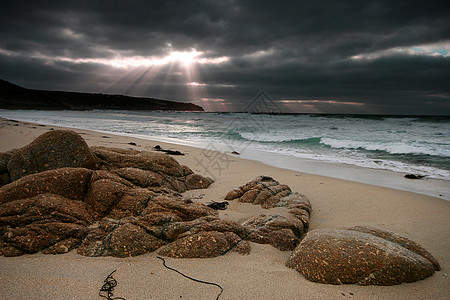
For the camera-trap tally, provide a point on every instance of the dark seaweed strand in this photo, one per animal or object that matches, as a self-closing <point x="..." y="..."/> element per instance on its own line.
<point x="188" y="277"/>
<point x="108" y="287"/>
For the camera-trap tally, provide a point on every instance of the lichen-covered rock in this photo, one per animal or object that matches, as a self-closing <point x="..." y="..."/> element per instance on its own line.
<point x="45" y="207"/>
<point x="70" y="183"/>
<point x="104" y="174"/>
<point x="163" y="220"/>
<point x="361" y="256"/>
<point x="131" y="240"/>
<point x="216" y="224"/>
<point x="37" y="236"/>
<point x="33" y="224"/>
<point x="149" y="169"/>
<point x="113" y="158"/>
<point x="299" y="207"/>
<point x="52" y="150"/>
<point x="196" y="181"/>
<point x="103" y="194"/>
<point x="398" y="239"/>
<point x="203" y="245"/>
<point x="284" y="233"/>
<point x="63" y="246"/>
<point x="185" y="210"/>
<point x="263" y="190"/>
<point x="142" y="178"/>
<point x="130" y="205"/>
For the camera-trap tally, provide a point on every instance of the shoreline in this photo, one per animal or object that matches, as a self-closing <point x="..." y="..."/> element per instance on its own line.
<point x="335" y="203"/>
<point x="439" y="188"/>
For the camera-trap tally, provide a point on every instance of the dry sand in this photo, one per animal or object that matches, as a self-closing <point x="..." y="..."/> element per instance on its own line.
<point x="260" y="275"/>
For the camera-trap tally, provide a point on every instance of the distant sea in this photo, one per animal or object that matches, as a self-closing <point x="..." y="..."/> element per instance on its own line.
<point x="418" y="145"/>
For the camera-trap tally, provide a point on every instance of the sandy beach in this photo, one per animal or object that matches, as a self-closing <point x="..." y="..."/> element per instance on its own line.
<point x="336" y="203"/>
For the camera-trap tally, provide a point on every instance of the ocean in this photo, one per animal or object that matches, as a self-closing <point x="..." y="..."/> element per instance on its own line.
<point x="417" y="145"/>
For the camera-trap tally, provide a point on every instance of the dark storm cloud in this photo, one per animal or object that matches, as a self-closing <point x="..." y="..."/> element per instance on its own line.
<point x="335" y="51"/>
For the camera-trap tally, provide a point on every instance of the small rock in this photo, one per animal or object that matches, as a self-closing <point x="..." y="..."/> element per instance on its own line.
<point x="414" y="176"/>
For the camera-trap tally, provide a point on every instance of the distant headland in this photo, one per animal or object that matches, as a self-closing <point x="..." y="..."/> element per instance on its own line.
<point x="16" y="97"/>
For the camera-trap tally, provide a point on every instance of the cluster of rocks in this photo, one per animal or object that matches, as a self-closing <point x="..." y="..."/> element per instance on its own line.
<point x="57" y="194"/>
<point x="282" y="232"/>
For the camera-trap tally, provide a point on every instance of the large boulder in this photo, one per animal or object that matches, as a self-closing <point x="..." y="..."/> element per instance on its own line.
<point x="263" y="190"/>
<point x="34" y="224"/>
<point x="114" y="158"/>
<point x="52" y="150"/>
<point x="284" y="233"/>
<point x="70" y="183"/>
<point x="361" y="255"/>
<point x="150" y="169"/>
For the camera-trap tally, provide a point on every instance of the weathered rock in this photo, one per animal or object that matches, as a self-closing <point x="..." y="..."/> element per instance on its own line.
<point x="4" y="174"/>
<point x="104" y="174"/>
<point x="148" y="169"/>
<point x="213" y="223"/>
<point x="52" y="150"/>
<point x="33" y="224"/>
<point x="359" y="257"/>
<point x="4" y="159"/>
<point x="134" y="201"/>
<point x="299" y="206"/>
<point x="44" y="208"/>
<point x="131" y="240"/>
<point x="203" y="244"/>
<point x="63" y="246"/>
<point x="113" y="158"/>
<point x="4" y="179"/>
<point x="195" y="181"/>
<point x="142" y="178"/>
<point x="103" y="194"/>
<point x="70" y="183"/>
<point x="284" y="233"/>
<point x="185" y="210"/>
<point x="163" y="220"/>
<point x="175" y="184"/>
<point x="402" y="241"/>
<point x="263" y="190"/>
<point x="37" y="236"/>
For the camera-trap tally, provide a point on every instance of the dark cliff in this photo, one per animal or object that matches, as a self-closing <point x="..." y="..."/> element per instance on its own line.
<point x="15" y="97"/>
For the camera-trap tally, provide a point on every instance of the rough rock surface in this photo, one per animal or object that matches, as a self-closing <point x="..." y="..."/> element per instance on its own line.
<point x="34" y="224"/>
<point x="361" y="255"/>
<point x="52" y="150"/>
<point x="71" y="183"/>
<point x="284" y="233"/>
<point x="120" y="203"/>
<point x="263" y="190"/>
<point x="204" y="244"/>
<point x="4" y="174"/>
<point x="281" y="232"/>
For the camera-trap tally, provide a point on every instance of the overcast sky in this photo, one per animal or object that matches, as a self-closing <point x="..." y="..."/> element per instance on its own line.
<point x="309" y="56"/>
